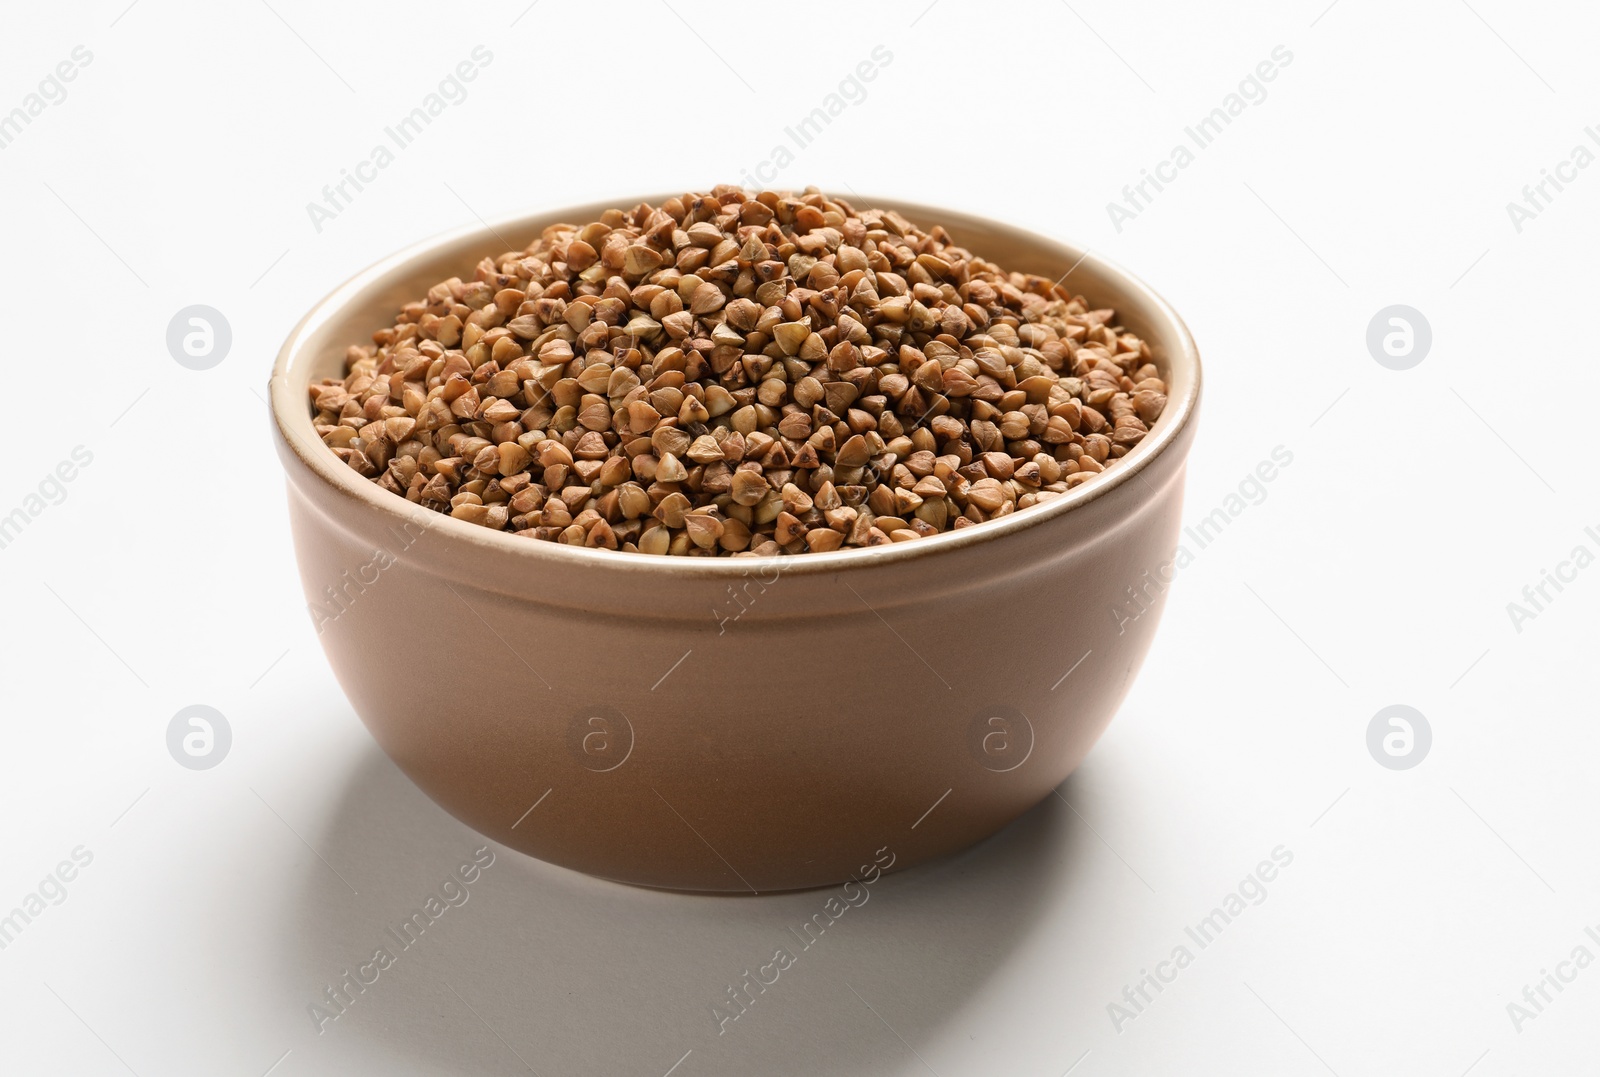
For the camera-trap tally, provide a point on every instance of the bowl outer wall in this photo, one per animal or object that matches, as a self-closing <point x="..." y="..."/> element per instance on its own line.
<point x="737" y="724"/>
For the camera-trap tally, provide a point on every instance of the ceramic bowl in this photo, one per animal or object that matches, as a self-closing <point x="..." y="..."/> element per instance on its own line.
<point x="734" y="725"/>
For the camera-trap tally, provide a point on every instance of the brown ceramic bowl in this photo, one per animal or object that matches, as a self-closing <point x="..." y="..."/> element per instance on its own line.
<point x="733" y="724"/>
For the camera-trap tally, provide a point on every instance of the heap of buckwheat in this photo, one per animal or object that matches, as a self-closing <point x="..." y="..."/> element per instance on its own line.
<point x="737" y="373"/>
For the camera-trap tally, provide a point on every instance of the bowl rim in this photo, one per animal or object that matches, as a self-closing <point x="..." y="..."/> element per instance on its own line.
<point x="292" y="419"/>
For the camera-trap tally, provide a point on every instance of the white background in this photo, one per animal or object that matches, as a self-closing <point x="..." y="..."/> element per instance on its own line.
<point x="1378" y="569"/>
